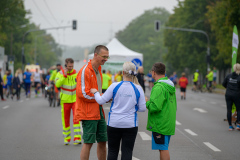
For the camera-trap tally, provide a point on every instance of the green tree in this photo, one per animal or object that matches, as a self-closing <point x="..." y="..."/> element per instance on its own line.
<point x="188" y="50"/>
<point x="140" y="36"/>
<point x="13" y="25"/>
<point x="222" y="16"/>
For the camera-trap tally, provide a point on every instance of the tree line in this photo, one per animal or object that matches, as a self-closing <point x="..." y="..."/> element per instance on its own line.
<point x="185" y="51"/>
<point x="13" y="25"/>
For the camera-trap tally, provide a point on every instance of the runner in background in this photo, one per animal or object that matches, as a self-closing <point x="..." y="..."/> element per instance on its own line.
<point x="37" y="81"/>
<point x="27" y="82"/>
<point x="5" y="83"/>
<point x="183" y="82"/>
<point x="105" y="80"/>
<point x="118" y="76"/>
<point x="140" y="77"/>
<point x="214" y="77"/>
<point x="175" y="79"/>
<point x="43" y="84"/>
<point x="9" y="83"/>
<point x="195" y="80"/>
<point x="150" y="80"/>
<point x="52" y="79"/>
<point x="110" y="75"/>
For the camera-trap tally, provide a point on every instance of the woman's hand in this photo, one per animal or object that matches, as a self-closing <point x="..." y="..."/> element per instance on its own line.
<point x="93" y="90"/>
<point x="146" y="99"/>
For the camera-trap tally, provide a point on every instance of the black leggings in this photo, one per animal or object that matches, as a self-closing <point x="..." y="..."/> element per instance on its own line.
<point x="230" y="100"/>
<point x="115" y="135"/>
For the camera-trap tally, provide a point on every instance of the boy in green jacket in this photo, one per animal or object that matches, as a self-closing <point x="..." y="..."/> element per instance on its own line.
<point x="162" y="108"/>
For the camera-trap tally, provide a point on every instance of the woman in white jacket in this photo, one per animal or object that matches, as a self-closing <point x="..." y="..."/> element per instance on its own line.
<point x="122" y="125"/>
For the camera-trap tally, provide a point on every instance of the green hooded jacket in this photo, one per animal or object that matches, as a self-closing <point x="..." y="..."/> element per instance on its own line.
<point x="162" y="107"/>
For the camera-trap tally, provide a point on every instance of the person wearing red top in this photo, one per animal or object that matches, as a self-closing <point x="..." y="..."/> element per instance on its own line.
<point x="183" y="82"/>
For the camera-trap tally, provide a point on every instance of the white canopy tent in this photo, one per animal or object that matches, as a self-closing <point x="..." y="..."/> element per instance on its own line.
<point x="118" y="55"/>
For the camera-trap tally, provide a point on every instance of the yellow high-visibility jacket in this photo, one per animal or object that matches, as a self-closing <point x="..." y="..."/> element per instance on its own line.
<point x="68" y="84"/>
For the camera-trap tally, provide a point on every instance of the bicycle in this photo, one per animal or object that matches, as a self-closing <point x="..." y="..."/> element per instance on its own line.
<point x="206" y="88"/>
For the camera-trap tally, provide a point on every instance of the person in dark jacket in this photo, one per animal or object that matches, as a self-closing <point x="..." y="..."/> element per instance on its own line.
<point x="232" y="83"/>
<point x="140" y="77"/>
<point x="16" y="86"/>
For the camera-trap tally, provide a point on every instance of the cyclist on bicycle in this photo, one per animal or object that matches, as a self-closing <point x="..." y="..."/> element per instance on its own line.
<point x="52" y="79"/>
<point x="209" y="76"/>
<point x="195" y="80"/>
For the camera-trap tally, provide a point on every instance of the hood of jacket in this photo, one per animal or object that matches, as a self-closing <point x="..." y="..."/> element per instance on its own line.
<point x="168" y="84"/>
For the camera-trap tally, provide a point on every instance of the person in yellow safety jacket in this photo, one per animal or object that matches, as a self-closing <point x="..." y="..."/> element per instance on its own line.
<point x="195" y="80"/>
<point x="105" y="81"/>
<point x="209" y="76"/>
<point x="110" y="75"/>
<point x="118" y="76"/>
<point x="52" y="79"/>
<point x="66" y="79"/>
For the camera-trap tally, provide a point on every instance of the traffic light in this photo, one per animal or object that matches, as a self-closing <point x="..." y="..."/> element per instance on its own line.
<point x="74" y="25"/>
<point x="157" y="25"/>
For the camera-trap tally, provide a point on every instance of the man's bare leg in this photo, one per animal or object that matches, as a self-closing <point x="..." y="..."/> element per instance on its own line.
<point x="85" y="152"/>
<point x="164" y="155"/>
<point x="101" y="151"/>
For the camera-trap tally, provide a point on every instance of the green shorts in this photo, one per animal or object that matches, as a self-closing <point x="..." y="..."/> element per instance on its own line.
<point x="95" y="130"/>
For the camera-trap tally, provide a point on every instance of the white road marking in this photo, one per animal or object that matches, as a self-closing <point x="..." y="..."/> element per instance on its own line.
<point x="190" y="132"/>
<point x="203" y="100"/>
<point x="21" y="101"/>
<point x="5" y="107"/>
<point x="178" y="123"/>
<point x="213" y="102"/>
<point x="212" y="147"/>
<point x="133" y="158"/>
<point x="145" y="136"/>
<point x="200" y="110"/>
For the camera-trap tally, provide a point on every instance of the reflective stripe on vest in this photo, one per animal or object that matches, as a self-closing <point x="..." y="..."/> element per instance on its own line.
<point x="68" y="92"/>
<point x="69" y="87"/>
<point x="83" y="84"/>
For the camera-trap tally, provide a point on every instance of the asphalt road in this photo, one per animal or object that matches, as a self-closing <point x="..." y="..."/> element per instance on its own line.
<point x="31" y="130"/>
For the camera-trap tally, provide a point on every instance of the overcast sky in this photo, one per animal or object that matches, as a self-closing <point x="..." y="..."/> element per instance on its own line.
<point x="97" y="20"/>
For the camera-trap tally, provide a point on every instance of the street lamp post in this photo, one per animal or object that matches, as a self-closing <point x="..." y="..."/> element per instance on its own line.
<point x="198" y="31"/>
<point x="157" y="27"/>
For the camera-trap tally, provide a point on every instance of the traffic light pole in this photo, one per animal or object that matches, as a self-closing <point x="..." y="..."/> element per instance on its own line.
<point x="198" y="31"/>
<point x="36" y="30"/>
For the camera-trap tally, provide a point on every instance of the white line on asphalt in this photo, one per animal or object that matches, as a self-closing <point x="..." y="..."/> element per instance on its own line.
<point x="5" y="107"/>
<point x="213" y="102"/>
<point x="145" y="136"/>
<point x="212" y="147"/>
<point x="200" y="110"/>
<point x="21" y="101"/>
<point x="190" y="132"/>
<point x="203" y="100"/>
<point x="178" y="123"/>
